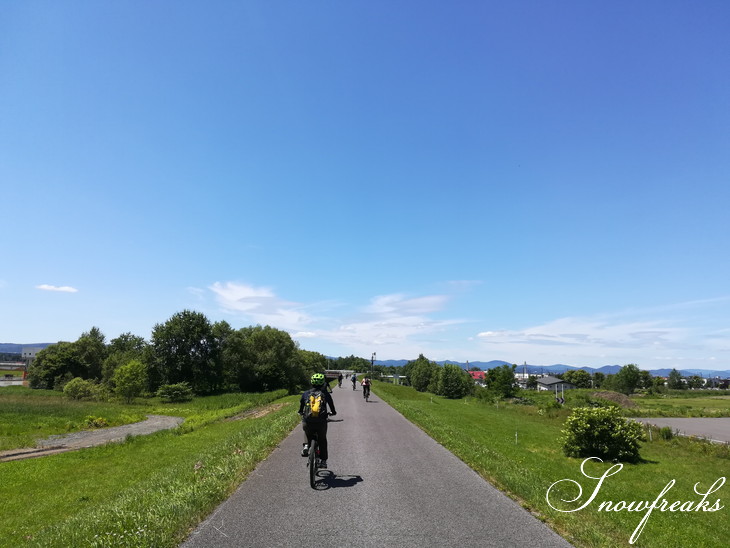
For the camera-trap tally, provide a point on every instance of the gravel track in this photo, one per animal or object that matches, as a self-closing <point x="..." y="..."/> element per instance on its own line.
<point x="91" y="438"/>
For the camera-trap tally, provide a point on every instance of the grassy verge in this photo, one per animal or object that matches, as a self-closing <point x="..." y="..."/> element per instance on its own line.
<point x="692" y="404"/>
<point x="148" y="491"/>
<point x="517" y="448"/>
<point x="28" y="415"/>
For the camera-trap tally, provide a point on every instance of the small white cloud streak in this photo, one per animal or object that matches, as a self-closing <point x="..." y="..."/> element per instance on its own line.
<point x="395" y="321"/>
<point x="260" y="305"/>
<point x="652" y="338"/>
<point x="61" y="289"/>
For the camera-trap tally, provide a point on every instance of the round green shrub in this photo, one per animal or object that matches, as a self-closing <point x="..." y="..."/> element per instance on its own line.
<point x="601" y="432"/>
<point x="79" y="389"/>
<point x="172" y="393"/>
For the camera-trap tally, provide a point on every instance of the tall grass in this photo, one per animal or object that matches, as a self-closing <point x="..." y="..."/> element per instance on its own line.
<point x="517" y="448"/>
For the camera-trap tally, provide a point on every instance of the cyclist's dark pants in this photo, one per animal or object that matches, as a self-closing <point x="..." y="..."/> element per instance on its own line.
<point x="319" y="428"/>
<point x="365" y="391"/>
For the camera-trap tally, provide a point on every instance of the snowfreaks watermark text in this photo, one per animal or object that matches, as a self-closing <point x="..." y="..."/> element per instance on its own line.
<point x="659" y="503"/>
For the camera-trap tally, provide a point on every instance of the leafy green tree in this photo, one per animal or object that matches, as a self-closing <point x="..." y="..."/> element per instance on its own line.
<point x="531" y="382"/>
<point x="91" y="350"/>
<point x="309" y="362"/>
<point x="627" y="379"/>
<point x="274" y="356"/>
<point x="675" y="380"/>
<point x="185" y="350"/>
<point x="54" y="366"/>
<point x="238" y="365"/>
<point x="259" y="359"/>
<point x="501" y="380"/>
<point x="578" y="377"/>
<point x="598" y="379"/>
<point x="453" y="382"/>
<point x="422" y="373"/>
<point x="130" y="380"/>
<point x="646" y="381"/>
<point x="351" y="363"/>
<point x="695" y="382"/>
<point x="121" y="350"/>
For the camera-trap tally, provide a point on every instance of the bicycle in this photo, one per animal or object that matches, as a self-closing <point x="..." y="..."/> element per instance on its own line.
<point x="313" y="461"/>
<point x="366" y="392"/>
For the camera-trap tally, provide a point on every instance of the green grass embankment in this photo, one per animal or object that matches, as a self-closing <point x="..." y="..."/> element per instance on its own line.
<point x="147" y="492"/>
<point x="517" y="448"/>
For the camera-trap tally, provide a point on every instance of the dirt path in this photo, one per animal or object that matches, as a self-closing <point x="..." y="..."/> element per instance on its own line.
<point x="91" y="438"/>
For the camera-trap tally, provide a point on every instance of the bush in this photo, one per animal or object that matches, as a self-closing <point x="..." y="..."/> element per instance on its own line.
<point x="95" y="422"/>
<point x="602" y="433"/>
<point x="666" y="433"/>
<point x="173" y="393"/>
<point x="79" y="389"/>
<point x="130" y="380"/>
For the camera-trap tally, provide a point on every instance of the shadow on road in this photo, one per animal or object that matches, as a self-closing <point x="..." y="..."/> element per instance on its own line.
<point x="330" y="480"/>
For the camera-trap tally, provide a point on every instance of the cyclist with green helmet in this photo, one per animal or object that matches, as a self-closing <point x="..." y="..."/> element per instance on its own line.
<point x="316" y="425"/>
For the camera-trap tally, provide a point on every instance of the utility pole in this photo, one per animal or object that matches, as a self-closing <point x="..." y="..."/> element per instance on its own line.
<point x="372" y="363"/>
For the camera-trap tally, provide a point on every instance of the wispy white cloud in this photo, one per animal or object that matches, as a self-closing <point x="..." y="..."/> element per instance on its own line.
<point x="260" y="305"/>
<point x="196" y="292"/>
<point x="393" y="323"/>
<point x="398" y="305"/>
<point x="62" y="289"/>
<point x="653" y="337"/>
<point x="589" y="332"/>
<point x="397" y="321"/>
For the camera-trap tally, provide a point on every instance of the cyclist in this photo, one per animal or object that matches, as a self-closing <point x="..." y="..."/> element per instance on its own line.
<point x="339" y="379"/>
<point x="317" y="425"/>
<point x="354" y="380"/>
<point x="366" y="387"/>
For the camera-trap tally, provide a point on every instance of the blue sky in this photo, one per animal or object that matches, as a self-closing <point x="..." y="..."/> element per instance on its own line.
<point x="540" y="182"/>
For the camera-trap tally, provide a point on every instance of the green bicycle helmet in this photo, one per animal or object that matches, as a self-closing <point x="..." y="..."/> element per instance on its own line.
<point x="317" y="379"/>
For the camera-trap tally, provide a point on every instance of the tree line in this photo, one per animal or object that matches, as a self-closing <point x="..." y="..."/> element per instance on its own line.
<point x="630" y="379"/>
<point x="187" y="348"/>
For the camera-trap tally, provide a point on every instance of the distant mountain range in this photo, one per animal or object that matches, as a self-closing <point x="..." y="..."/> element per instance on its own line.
<point x="12" y="348"/>
<point x="529" y="369"/>
<point x="562" y="368"/>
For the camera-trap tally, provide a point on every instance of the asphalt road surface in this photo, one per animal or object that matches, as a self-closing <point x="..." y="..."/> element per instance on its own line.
<point x="388" y="484"/>
<point x="714" y="429"/>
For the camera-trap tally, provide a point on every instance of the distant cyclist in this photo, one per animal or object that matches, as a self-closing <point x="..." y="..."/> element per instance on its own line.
<point x="316" y="425"/>
<point x="366" y="387"/>
<point x="339" y="380"/>
<point x="354" y="380"/>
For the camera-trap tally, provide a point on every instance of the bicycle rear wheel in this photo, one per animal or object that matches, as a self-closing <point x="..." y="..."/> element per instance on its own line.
<point x="313" y="463"/>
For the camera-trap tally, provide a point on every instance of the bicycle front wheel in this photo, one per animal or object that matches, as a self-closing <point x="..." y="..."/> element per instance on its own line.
<point x="313" y="463"/>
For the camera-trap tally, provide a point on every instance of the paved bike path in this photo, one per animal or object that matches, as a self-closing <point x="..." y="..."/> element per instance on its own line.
<point x="388" y="484"/>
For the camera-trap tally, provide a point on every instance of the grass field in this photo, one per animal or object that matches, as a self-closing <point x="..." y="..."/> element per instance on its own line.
<point x="148" y="491"/>
<point x="696" y="404"/>
<point x="104" y="496"/>
<point x="516" y="447"/>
